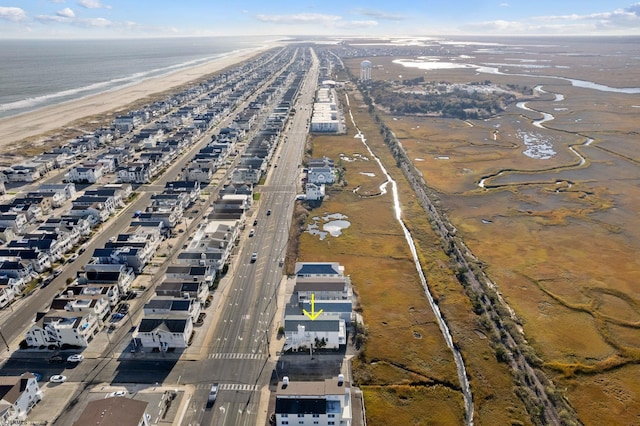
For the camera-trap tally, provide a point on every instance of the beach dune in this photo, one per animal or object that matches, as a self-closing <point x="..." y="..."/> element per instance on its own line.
<point x="31" y="124"/>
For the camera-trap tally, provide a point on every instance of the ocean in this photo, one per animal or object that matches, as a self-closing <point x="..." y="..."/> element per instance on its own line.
<point x="39" y="73"/>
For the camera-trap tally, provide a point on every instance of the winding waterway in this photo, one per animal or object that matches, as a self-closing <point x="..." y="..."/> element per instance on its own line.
<point x="444" y="328"/>
<point x="539" y="123"/>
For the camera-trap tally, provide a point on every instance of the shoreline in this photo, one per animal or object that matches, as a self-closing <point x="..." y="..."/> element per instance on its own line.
<point x="41" y="121"/>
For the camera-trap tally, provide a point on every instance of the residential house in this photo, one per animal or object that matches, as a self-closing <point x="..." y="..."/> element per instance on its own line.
<point x="108" y="273"/>
<point x="6" y="234"/>
<point x="164" y="331"/>
<point x="190" y="187"/>
<point x="18" y="396"/>
<point x="96" y="304"/>
<point x="68" y="190"/>
<point x="115" y="411"/>
<point x="82" y="174"/>
<point x="21" y="270"/>
<point x="135" y="173"/>
<point x="314" y="192"/>
<point x="245" y="175"/>
<point x="93" y="214"/>
<point x="321" y="175"/>
<point x="198" y="290"/>
<point x="58" y="327"/>
<point x="302" y="332"/>
<point x="173" y="305"/>
<point x="15" y="221"/>
<point x="326" y="402"/>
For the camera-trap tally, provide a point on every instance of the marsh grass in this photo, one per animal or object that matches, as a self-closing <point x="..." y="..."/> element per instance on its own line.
<point x="559" y="237"/>
<point x="404" y="345"/>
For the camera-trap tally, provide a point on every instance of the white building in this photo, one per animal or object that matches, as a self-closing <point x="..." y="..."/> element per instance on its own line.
<point x="325" y="403"/>
<point x="164" y="332"/>
<point x="18" y="395"/>
<point x="57" y="328"/>
<point x="84" y="174"/>
<point x="314" y="192"/>
<point x="327" y="331"/>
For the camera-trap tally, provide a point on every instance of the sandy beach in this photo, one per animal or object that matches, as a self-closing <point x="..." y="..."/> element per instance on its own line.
<point x="17" y="128"/>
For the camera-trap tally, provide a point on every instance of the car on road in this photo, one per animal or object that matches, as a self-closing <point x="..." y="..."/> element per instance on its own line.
<point x="254" y="256"/>
<point x="75" y="358"/>
<point x="213" y="394"/>
<point x="116" y="393"/>
<point x="58" y="378"/>
<point x="268" y="212"/>
<point x="56" y="359"/>
<point x="252" y="232"/>
<point x="255" y="222"/>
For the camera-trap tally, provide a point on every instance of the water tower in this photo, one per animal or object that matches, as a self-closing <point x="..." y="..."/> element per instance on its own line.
<point x="365" y="70"/>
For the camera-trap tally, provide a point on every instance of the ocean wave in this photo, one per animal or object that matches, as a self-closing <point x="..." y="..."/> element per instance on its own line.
<point x="34" y="103"/>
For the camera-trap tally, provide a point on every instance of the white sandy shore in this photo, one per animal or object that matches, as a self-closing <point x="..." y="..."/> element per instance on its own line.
<point x="13" y="129"/>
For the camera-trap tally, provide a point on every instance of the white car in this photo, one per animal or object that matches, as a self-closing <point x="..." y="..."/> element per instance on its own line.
<point x="75" y="358"/>
<point x="116" y="393"/>
<point x="58" y="378"/>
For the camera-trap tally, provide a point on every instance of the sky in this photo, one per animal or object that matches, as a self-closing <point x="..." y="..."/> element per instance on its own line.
<point x="164" y="18"/>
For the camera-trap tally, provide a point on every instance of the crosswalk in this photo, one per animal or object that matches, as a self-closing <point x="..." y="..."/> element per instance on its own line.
<point x="236" y="356"/>
<point x="238" y="387"/>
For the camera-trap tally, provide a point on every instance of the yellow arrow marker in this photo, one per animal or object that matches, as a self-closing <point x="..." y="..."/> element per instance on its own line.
<point x="313" y="315"/>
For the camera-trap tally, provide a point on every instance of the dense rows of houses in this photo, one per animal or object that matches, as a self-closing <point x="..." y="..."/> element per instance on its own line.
<point x="79" y="312"/>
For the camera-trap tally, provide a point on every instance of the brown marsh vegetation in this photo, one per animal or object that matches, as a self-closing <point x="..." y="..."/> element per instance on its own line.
<point x="559" y="236"/>
<point x="406" y="367"/>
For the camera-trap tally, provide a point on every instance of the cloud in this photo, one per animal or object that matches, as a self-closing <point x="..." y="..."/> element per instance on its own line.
<point x="13" y="14"/>
<point x="505" y="5"/>
<point x="66" y="13"/>
<point x="618" y="21"/>
<point x="93" y="4"/>
<point x="299" y="18"/>
<point x="380" y="15"/>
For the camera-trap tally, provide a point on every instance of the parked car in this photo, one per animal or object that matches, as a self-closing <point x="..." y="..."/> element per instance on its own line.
<point x="116" y="393"/>
<point x="46" y="281"/>
<point x="57" y="272"/>
<point x="252" y="232"/>
<point x="255" y="222"/>
<point x="58" y="378"/>
<point x="75" y="358"/>
<point x="73" y="257"/>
